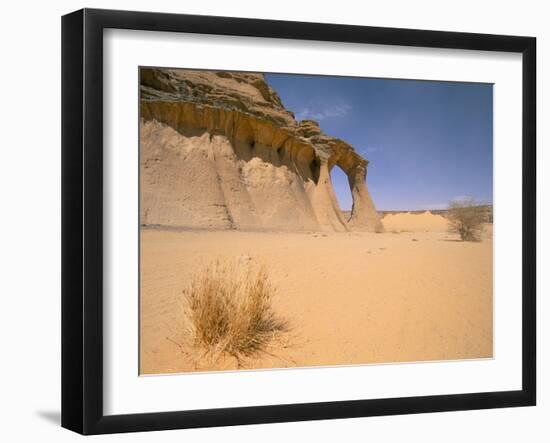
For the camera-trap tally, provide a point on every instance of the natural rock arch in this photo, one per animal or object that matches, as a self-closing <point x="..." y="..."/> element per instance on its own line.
<point x="342" y="189"/>
<point x="219" y="150"/>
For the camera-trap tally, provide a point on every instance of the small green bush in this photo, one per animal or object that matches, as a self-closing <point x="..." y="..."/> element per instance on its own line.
<point x="466" y="219"/>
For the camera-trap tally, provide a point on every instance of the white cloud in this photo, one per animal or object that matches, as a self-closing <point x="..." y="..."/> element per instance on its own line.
<point x="328" y="112"/>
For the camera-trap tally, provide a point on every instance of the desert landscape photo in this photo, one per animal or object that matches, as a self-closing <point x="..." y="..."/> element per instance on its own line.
<point x="291" y="221"/>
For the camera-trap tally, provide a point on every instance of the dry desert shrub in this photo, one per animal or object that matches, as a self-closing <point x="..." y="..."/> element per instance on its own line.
<point x="466" y="219"/>
<point x="227" y="310"/>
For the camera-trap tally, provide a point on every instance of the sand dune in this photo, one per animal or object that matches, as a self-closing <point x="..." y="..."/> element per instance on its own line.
<point x="407" y="221"/>
<point x="351" y="298"/>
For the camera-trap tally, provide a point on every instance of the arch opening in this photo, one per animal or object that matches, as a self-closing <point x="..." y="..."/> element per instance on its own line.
<point x="342" y="190"/>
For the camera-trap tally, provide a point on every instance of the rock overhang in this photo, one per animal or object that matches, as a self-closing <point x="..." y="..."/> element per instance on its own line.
<point x="243" y="107"/>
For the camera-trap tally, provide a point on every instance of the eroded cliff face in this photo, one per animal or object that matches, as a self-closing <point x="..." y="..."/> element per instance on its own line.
<point x="219" y="150"/>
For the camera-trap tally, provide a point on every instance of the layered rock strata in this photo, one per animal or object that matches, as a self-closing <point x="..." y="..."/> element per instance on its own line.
<point x="218" y="150"/>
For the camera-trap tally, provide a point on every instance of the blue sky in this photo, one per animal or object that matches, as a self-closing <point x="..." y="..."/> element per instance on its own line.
<point x="427" y="142"/>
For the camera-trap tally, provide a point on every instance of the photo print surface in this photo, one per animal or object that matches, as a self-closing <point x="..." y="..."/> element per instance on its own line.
<point x="292" y="221"/>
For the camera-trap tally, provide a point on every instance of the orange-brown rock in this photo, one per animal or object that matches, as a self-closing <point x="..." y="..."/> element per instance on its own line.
<point x="219" y="150"/>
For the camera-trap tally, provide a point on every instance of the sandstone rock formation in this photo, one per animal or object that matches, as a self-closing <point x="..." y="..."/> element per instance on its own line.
<point x="219" y="150"/>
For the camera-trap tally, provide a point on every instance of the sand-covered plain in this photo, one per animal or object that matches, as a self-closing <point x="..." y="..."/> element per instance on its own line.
<point x="349" y="298"/>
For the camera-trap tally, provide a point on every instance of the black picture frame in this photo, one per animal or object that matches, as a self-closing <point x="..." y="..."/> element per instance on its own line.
<point x="82" y="219"/>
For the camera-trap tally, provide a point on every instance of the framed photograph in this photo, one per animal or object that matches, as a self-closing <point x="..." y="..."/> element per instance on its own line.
<point x="269" y="221"/>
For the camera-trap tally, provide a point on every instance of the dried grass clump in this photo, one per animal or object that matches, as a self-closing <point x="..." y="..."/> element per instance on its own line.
<point x="466" y="218"/>
<point x="227" y="310"/>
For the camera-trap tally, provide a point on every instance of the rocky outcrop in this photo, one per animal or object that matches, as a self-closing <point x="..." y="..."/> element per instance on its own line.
<point x="219" y="150"/>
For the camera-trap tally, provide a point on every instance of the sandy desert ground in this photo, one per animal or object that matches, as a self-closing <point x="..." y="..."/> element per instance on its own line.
<point x="413" y="293"/>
